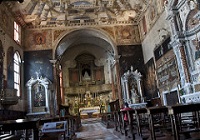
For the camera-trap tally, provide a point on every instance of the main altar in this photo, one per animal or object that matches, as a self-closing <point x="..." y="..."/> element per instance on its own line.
<point x="89" y="105"/>
<point x="89" y="112"/>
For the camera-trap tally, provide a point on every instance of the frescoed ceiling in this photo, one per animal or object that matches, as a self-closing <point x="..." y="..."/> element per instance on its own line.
<point x="68" y="12"/>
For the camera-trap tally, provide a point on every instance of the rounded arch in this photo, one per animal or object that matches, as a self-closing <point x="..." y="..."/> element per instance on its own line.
<point x="190" y="20"/>
<point x="84" y="36"/>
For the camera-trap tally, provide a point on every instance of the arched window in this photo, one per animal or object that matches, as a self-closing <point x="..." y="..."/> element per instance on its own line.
<point x="17" y="61"/>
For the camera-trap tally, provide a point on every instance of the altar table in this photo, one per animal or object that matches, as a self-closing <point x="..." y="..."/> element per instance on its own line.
<point x="89" y="111"/>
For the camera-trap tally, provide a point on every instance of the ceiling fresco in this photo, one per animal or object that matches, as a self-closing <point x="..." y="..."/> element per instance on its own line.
<point x="69" y="12"/>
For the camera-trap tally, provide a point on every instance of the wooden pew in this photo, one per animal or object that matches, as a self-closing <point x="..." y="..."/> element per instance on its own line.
<point x="21" y="124"/>
<point x="110" y="119"/>
<point x="157" y="119"/>
<point x="118" y="119"/>
<point x="185" y="118"/>
<point x="142" y="120"/>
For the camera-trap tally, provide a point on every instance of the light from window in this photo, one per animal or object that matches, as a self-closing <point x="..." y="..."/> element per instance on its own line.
<point x="17" y="61"/>
<point x="17" y="33"/>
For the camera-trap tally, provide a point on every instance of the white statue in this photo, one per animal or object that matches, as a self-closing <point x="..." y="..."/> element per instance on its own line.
<point x="86" y="76"/>
<point x="134" y="95"/>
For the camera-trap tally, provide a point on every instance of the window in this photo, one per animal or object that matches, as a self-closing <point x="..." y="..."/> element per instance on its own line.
<point x="17" y="33"/>
<point x="17" y="61"/>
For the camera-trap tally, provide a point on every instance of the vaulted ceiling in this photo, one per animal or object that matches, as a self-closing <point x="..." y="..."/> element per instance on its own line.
<point x="67" y="12"/>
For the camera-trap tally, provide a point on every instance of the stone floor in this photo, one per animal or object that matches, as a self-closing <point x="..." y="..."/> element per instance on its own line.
<point x="93" y="129"/>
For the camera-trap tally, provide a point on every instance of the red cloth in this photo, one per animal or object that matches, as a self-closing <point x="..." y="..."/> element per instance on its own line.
<point x="125" y="115"/>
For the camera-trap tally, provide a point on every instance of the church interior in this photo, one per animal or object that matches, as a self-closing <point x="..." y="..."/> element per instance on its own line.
<point x="66" y="61"/>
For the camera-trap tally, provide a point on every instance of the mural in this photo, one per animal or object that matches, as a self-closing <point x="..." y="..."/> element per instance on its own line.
<point x="127" y="35"/>
<point x="38" y="40"/>
<point x="53" y="13"/>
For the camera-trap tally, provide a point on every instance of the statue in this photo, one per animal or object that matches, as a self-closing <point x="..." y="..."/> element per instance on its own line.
<point x="86" y="76"/>
<point x="134" y="96"/>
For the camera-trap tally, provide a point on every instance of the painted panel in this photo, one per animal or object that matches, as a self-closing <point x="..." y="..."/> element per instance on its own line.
<point x="36" y="63"/>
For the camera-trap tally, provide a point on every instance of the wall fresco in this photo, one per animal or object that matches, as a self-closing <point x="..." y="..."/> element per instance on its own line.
<point x="127" y="35"/>
<point x="38" y="40"/>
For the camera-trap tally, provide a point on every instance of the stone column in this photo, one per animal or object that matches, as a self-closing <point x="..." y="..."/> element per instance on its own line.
<point x="179" y="51"/>
<point x="112" y="81"/>
<point x="140" y="90"/>
<point x="181" y="62"/>
<point x="47" y="97"/>
<point x="123" y="89"/>
<point x="127" y="91"/>
<point x="29" y="99"/>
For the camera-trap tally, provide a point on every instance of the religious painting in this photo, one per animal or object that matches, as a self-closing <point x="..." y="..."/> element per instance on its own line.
<point x="57" y="33"/>
<point x="38" y="40"/>
<point x="131" y="55"/>
<point x="127" y="35"/>
<point x="39" y="95"/>
<point x="74" y="76"/>
<point x="37" y="64"/>
<point x="191" y="21"/>
<point x="110" y="31"/>
<point x="150" y="88"/>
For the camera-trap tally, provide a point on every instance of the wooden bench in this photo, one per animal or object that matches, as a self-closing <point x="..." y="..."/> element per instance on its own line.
<point x="110" y="118"/>
<point x="157" y="119"/>
<point x="142" y="120"/>
<point x="21" y="124"/>
<point x="185" y="118"/>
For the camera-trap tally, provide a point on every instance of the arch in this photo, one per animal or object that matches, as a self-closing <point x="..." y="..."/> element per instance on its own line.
<point x="189" y="19"/>
<point x="87" y="35"/>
